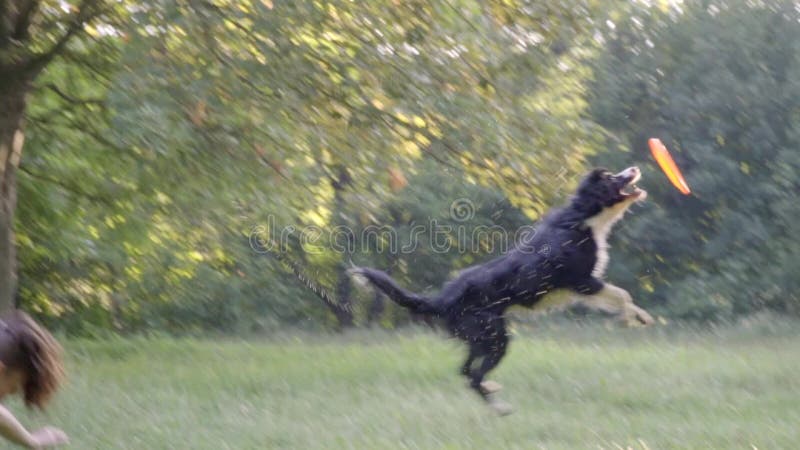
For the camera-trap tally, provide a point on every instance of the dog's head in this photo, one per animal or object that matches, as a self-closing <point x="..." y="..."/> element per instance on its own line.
<point x="601" y="189"/>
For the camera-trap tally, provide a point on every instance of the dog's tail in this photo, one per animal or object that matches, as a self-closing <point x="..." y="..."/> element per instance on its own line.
<point x="415" y="302"/>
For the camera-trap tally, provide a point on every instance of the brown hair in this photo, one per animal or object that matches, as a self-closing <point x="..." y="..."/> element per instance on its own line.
<point x="29" y="347"/>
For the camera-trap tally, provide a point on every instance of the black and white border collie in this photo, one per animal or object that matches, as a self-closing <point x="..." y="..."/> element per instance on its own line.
<point x="568" y="254"/>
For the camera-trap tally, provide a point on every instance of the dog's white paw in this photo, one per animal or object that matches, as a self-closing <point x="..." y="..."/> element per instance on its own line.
<point x="636" y="317"/>
<point x="489" y="386"/>
<point x="645" y="318"/>
<point x="640" y="316"/>
<point x="500" y="407"/>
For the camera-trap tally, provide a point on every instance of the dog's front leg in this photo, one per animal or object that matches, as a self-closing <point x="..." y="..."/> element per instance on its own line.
<point x="638" y="314"/>
<point x="618" y="301"/>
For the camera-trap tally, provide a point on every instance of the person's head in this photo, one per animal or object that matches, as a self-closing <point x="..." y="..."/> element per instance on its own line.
<point x="30" y="360"/>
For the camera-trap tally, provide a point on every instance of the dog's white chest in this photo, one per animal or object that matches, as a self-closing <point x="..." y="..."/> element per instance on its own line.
<point x="601" y="255"/>
<point x="601" y="227"/>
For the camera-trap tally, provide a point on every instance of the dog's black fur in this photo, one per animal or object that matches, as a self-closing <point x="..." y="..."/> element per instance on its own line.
<point x="561" y="254"/>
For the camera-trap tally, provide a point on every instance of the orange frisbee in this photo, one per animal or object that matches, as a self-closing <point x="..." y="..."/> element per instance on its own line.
<point x="667" y="164"/>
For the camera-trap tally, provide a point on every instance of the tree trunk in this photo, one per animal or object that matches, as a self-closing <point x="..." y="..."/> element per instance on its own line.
<point x="378" y="305"/>
<point x="376" y="308"/>
<point x="344" y="314"/>
<point x="344" y="284"/>
<point x="21" y="61"/>
<point x="12" y="109"/>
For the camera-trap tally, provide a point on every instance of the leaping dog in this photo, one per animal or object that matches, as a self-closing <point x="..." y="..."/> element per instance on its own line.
<point x="568" y="253"/>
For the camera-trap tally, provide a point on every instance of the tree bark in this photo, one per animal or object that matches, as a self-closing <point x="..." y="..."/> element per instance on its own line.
<point x="344" y="315"/>
<point x="376" y="308"/>
<point x="378" y="305"/>
<point x="12" y="110"/>
<point x="20" y="63"/>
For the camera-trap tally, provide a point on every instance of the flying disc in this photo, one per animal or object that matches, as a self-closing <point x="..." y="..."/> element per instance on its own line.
<point x="668" y="166"/>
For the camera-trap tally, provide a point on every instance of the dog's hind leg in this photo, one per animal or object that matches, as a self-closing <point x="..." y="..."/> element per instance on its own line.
<point x="476" y="353"/>
<point x="491" y="348"/>
<point x="487" y="386"/>
<point x="466" y="368"/>
<point x="497" y="349"/>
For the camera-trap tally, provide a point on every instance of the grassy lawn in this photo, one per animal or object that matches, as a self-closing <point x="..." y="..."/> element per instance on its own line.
<point x="572" y="388"/>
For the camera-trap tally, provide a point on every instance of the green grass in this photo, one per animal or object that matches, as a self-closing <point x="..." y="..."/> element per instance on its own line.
<point x="572" y="388"/>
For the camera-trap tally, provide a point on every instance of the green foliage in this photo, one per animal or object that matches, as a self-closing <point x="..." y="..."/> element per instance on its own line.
<point x="719" y="83"/>
<point x="162" y="134"/>
<point x="209" y="118"/>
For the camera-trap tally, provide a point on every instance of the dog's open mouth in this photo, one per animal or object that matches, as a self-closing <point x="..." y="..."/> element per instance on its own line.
<point x="630" y="189"/>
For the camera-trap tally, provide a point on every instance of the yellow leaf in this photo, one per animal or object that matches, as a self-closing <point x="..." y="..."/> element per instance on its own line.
<point x="422" y="139"/>
<point x="196" y="256"/>
<point x="744" y="167"/>
<point x="507" y="172"/>
<point x="412" y="149"/>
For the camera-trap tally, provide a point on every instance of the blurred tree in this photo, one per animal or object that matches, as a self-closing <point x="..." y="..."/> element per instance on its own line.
<point x="32" y="35"/>
<point x="719" y="83"/>
<point x="210" y="117"/>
